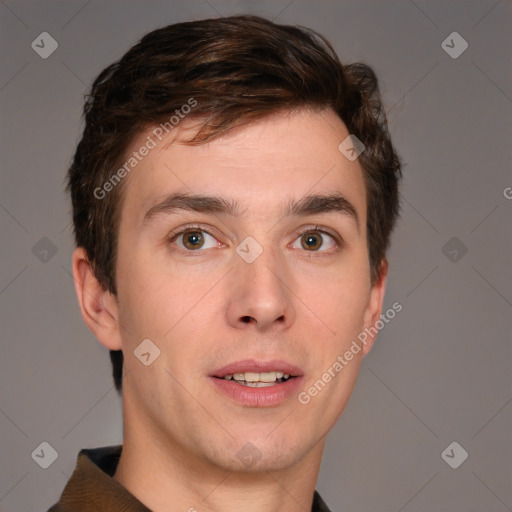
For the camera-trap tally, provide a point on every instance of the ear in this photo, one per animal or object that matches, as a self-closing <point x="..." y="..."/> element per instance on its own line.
<point x="374" y="308"/>
<point x="98" y="306"/>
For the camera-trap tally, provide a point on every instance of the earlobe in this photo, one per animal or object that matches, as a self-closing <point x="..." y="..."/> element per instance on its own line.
<point x="374" y="309"/>
<point x="98" y="307"/>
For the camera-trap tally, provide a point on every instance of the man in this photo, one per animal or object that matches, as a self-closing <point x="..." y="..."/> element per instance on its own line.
<point x="233" y="196"/>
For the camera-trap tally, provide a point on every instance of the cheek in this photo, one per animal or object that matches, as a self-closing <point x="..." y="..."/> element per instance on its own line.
<point x="143" y="302"/>
<point x="343" y="318"/>
<point x="339" y="299"/>
<point x="160" y="301"/>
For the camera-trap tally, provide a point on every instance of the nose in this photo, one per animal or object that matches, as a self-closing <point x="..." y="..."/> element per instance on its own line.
<point x="261" y="296"/>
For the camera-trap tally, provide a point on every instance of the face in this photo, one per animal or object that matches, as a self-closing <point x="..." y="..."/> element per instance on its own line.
<point x="243" y="290"/>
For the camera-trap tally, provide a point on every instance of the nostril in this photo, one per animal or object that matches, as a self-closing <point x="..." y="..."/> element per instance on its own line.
<point x="246" y="319"/>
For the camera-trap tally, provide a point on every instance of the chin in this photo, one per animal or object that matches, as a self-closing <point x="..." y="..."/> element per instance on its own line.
<point x="261" y="455"/>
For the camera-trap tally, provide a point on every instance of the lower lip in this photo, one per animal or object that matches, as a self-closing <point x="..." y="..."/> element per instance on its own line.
<point x="269" y="396"/>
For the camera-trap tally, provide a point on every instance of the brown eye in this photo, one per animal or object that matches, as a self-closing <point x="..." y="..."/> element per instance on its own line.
<point x="316" y="240"/>
<point x="312" y="240"/>
<point x="193" y="239"/>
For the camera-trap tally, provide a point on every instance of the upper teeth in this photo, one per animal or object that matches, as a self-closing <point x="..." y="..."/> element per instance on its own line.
<point x="257" y="377"/>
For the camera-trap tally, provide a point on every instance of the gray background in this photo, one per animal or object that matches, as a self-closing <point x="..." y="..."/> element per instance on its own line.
<point x="439" y="372"/>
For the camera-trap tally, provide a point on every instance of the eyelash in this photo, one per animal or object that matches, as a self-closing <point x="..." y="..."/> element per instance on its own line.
<point x="196" y="227"/>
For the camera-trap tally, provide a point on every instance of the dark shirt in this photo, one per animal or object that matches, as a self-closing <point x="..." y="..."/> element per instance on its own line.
<point x="91" y="487"/>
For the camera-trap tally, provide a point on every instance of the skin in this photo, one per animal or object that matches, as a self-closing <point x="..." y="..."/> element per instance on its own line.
<point x="181" y="435"/>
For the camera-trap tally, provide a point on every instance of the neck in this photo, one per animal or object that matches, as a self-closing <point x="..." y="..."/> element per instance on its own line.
<point x="165" y="475"/>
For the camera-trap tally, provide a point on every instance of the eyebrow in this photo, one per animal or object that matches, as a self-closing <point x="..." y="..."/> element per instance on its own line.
<point x="309" y="205"/>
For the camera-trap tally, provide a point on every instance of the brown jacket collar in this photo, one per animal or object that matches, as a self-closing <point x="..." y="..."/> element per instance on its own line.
<point x="91" y="487"/>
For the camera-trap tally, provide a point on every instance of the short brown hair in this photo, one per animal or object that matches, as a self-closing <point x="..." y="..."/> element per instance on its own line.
<point x="238" y="69"/>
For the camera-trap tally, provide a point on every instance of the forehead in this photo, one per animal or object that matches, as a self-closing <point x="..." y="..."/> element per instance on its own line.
<point x="264" y="164"/>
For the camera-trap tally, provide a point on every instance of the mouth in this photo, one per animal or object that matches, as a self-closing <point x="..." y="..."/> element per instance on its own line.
<point x="259" y="379"/>
<point x="257" y="383"/>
